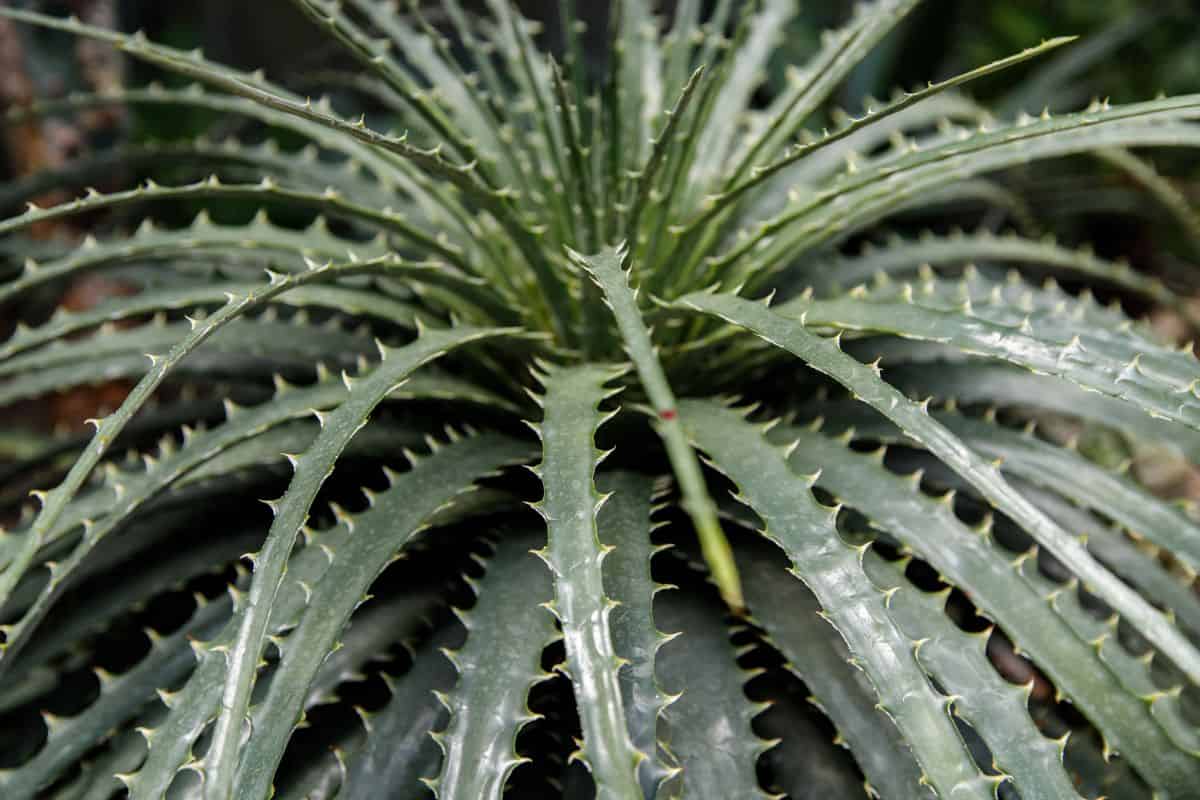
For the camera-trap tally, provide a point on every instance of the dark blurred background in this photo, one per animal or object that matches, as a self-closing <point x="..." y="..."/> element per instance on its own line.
<point x="941" y="37"/>
<point x="1152" y="43"/>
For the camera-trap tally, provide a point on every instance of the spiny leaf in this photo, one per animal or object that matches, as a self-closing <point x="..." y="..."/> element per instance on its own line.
<point x="65" y="323"/>
<point x="121" y="697"/>
<point x="107" y="430"/>
<point x="1135" y="560"/>
<point x="1000" y="385"/>
<point x="374" y="55"/>
<point x="1035" y="463"/>
<point x="827" y="357"/>
<point x="607" y="270"/>
<point x="818" y="656"/>
<point x="1000" y="586"/>
<point x="193" y="707"/>
<point x="88" y="613"/>
<point x="261" y="336"/>
<point x="228" y="157"/>
<point x="995" y="708"/>
<point x="398" y="751"/>
<point x="380" y="534"/>
<point x="623" y="526"/>
<point x="501" y="660"/>
<point x="761" y="174"/>
<point x="709" y="722"/>
<point x="291" y="512"/>
<point x="1159" y="381"/>
<point x="840" y="52"/>
<point x="574" y="554"/>
<point x="899" y="256"/>
<point x="832" y="570"/>
<point x="864" y="194"/>
<point x="1173" y="201"/>
<point x="762" y="28"/>
<point x="329" y="201"/>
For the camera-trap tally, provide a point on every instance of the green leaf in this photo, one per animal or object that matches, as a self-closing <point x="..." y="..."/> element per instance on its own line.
<point x="1161" y="382"/>
<point x="662" y="148"/>
<point x="1135" y="560"/>
<point x="98" y="780"/>
<point x="196" y="97"/>
<point x="1065" y="471"/>
<point x="574" y="554"/>
<point x="818" y="656"/>
<point x="623" y="526"/>
<point x="832" y="570"/>
<point x="285" y="341"/>
<point x="1003" y="589"/>
<point x="86" y="614"/>
<point x="1172" y="200"/>
<point x="120" y="493"/>
<point x="995" y="708"/>
<point x="840" y="52"/>
<point x="748" y="59"/>
<point x="903" y="256"/>
<point x="1068" y="479"/>
<point x="507" y="630"/>
<point x="63" y="323"/>
<point x="606" y="269"/>
<point x="375" y="56"/>
<point x="761" y="174"/>
<point x="380" y="534"/>
<point x="121" y="697"/>
<point x="228" y="157"/>
<point x="1000" y="385"/>
<point x="192" y="707"/>
<point x="864" y="194"/>
<point x="398" y="751"/>
<point x="826" y="357"/>
<point x="428" y="50"/>
<point x="291" y="511"/>
<point x="709" y="722"/>
<point x="330" y="202"/>
<point x="108" y="429"/>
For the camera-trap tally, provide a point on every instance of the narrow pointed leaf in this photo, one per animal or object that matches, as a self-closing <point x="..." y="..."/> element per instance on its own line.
<point x="827" y="357"/>
<point x="501" y="660"/>
<point x="575" y="554"/>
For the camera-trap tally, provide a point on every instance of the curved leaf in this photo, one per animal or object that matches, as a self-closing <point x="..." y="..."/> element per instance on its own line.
<point x="623" y="526"/>
<point x="995" y="708"/>
<point x="1001" y="587"/>
<point x="1000" y="385"/>
<point x="1161" y="382"/>
<point x="710" y="718"/>
<point x="864" y="381"/>
<point x="818" y="656"/>
<point x="898" y="256"/>
<point x="121" y="697"/>
<point x="507" y="630"/>
<point x="832" y="570"/>
<point x="107" y="430"/>
<point x="291" y="512"/>
<point x="380" y="534"/>
<point x="398" y="750"/>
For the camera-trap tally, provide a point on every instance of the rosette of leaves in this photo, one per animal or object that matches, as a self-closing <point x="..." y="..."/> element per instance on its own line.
<point x="657" y="270"/>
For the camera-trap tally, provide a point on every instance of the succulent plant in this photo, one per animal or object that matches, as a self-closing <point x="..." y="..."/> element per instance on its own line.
<point x="844" y="459"/>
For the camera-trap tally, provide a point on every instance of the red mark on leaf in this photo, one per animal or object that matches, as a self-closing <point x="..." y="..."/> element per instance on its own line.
<point x="667" y="414"/>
